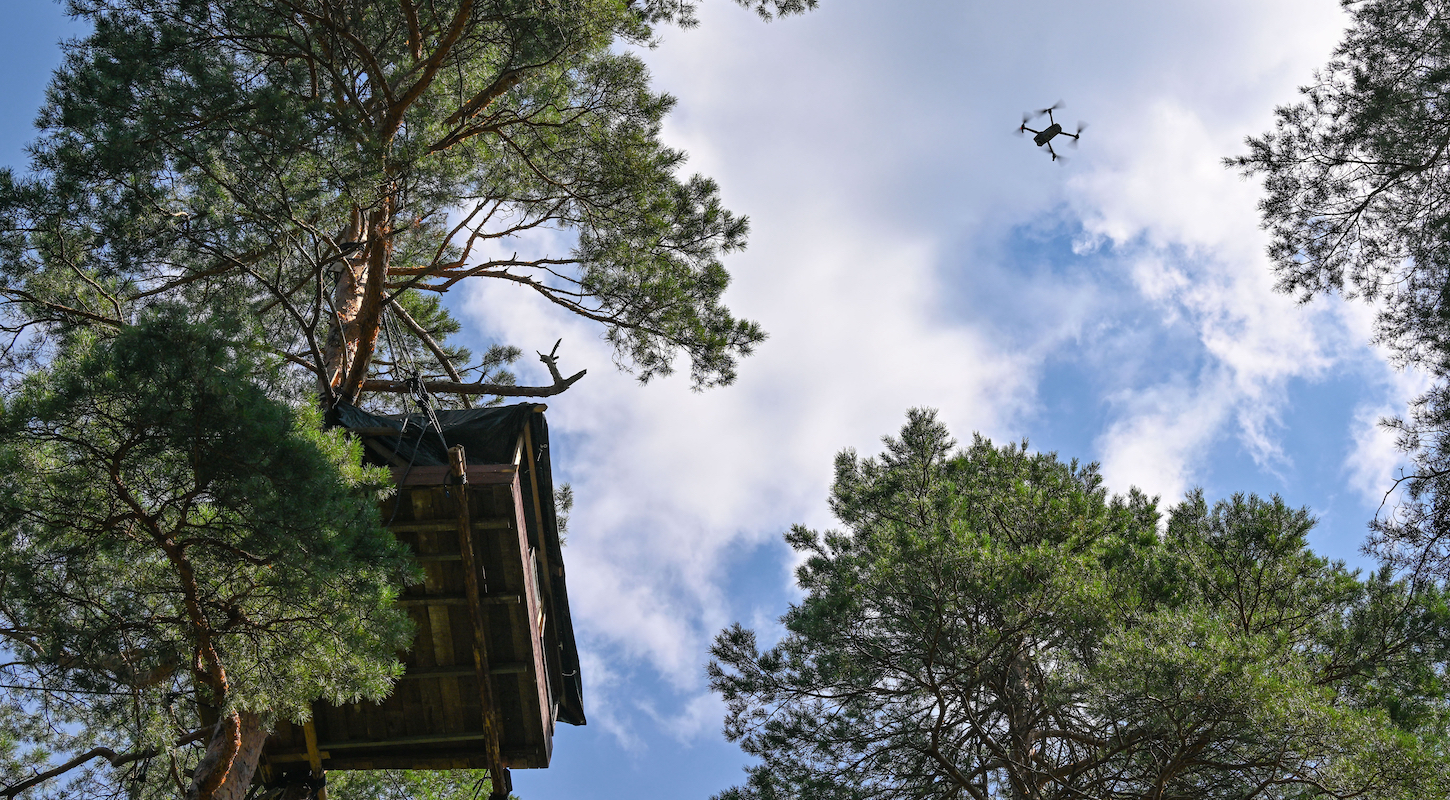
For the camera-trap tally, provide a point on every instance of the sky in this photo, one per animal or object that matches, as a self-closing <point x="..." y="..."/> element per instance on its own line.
<point x="907" y="250"/>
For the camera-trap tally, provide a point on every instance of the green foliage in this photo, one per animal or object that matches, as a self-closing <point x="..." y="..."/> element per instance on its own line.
<point x="168" y="531"/>
<point x="233" y="149"/>
<point x="458" y="784"/>
<point x="1358" y="177"/>
<point x="989" y="623"/>
<point x="173" y="525"/>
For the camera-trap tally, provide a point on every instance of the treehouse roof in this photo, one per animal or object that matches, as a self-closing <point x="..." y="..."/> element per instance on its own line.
<point x="488" y="435"/>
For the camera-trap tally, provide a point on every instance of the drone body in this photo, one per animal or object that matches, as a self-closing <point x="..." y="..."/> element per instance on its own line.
<point x="1046" y="135"/>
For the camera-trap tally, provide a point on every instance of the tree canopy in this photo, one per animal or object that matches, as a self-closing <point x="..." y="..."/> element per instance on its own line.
<point x="322" y="163"/>
<point x="178" y="548"/>
<point x="239" y="212"/>
<point x="1358" y="178"/>
<point x="989" y="623"/>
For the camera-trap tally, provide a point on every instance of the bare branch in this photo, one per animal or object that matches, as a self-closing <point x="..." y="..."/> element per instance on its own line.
<point x="499" y="389"/>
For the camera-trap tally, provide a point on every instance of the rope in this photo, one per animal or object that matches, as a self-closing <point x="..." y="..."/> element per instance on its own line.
<point x="418" y="393"/>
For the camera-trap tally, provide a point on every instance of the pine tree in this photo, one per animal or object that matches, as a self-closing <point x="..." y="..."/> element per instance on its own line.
<point x="317" y="161"/>
<point x="185" y="558"/>
<point x="286" y="188"/>
<point x="989" y="623"/>
<point x="1358" y="179"/>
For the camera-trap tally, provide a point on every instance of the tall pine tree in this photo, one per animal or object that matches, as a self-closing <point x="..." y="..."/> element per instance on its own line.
<point x="989" y="623"/>
<point x="286" y="188"/>
<point x="1358" y="186"/>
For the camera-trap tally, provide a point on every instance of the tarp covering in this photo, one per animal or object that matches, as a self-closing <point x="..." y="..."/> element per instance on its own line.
<point x="488" y="436"/>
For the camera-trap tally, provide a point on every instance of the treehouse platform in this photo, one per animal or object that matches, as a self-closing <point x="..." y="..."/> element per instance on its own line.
<point x="494" y="665"/>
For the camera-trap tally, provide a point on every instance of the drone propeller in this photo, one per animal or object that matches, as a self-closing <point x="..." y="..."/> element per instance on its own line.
<point x="1051" y="108"/>
<point x="1081" y="126"/>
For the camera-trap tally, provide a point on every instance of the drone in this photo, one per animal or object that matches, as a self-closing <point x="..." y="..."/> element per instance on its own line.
<point x="1045" y="136"/>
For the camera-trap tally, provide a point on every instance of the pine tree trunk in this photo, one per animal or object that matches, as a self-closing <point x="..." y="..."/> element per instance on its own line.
<point x="357" y="300"/>
<point x="231" y="758"/>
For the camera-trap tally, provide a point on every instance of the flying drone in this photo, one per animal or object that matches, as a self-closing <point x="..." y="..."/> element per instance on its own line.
<point x="1045" y="136"/>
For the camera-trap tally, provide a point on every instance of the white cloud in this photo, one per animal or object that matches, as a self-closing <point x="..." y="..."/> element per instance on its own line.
<point x="1375" y="458"/>
<point x="1186" y="227"/>
<point x="699" y="714"/>
<point x="669" y="482"/>
<point x="1159" y="437"/>
<point x="600" y="678"/>
<point x="869" y="143"/>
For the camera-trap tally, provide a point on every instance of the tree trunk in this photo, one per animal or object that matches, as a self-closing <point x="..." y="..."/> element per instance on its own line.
<point x="230" y="761"/>
<point x="357" y="300"/>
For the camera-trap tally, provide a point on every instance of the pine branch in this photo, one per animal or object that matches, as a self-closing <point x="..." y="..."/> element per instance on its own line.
<point x="115" y="759"/>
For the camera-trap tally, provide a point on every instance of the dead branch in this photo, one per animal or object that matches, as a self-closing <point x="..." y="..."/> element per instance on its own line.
<point x="500" y="389"/>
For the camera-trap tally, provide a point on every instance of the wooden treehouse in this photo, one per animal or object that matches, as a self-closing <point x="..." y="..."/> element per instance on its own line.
<point x="494" y="664"/>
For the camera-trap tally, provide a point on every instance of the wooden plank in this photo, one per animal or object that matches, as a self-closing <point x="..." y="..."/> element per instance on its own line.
<point x="290" y="758"/>
<point x="333" y="721"/>
<point x="445" y="526"/>
<point x="439" y="756"/>
<point x="543" y="587"/>
<point x="443" y="656"/>
<point x="535" y="705"/>
<point x="472" y="580"/>
<point x="534" y="490"/>
<point x="494" y="668"/>
<point x="387" y="453"/>
<point x="407" y="702"/>
<point x="458" y="599"/>
<point x="314" y="755"/>
<point x="407" y="740"/>
<point x="481" y="474"/>
<point x="407" y="760"/>
<point x="430" y="757"/>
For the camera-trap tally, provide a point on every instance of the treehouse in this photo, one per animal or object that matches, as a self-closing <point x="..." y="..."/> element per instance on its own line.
<point x="494" y="664"/>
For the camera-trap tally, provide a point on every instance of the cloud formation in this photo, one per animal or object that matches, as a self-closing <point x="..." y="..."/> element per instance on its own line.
<point x="908" y="251"/>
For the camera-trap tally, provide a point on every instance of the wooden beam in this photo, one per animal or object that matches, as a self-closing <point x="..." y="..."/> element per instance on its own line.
<point x="287" y="758"/>
<point x="439" y="475"/>
<point x="403" y="741"/>
<point x="387" y="454"/>
<point x="496" y="668"/>
<point x="474" y="582"/>
<point x="314" y="755"/>
<point x="447" y="526"/>
<point x="459" y="599"/>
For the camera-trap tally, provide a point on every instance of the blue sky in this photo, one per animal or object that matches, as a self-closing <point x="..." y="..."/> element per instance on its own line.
<point x="907" y="250"/>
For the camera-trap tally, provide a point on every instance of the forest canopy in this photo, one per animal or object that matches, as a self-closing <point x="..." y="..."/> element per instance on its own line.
<point x="989" y="622"/>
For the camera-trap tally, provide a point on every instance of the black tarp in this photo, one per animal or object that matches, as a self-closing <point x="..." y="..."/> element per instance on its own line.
<point x="488" y="436"/>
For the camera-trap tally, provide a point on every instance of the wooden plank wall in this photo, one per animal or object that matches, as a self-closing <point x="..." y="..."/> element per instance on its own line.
<point x="434" y="718"/>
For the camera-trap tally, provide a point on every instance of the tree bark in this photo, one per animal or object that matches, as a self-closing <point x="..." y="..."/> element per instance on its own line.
<point x="231" y="758"/>
<point x="357" y="301"/>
